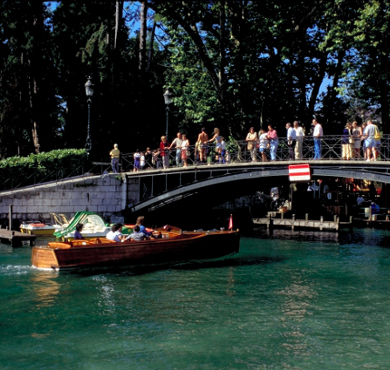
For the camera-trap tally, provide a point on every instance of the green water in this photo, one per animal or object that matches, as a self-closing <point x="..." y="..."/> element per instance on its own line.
<point x="289" y="301"/>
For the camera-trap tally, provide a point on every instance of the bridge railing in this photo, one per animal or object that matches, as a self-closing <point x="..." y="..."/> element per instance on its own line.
<point x="239" y="152"/>
<point x="331" y="149"/>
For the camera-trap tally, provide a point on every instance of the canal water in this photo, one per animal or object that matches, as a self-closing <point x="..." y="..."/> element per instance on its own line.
<point x="286" y="301"/>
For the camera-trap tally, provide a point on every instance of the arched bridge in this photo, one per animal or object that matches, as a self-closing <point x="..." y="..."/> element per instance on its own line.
<point x="161" y="187"/>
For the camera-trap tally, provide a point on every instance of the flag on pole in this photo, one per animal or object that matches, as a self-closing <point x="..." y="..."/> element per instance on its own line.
<point x="231" y="222"/>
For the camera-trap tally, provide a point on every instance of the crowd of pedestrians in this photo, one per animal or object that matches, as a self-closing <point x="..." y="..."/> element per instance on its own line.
<point x="354" y="138"/>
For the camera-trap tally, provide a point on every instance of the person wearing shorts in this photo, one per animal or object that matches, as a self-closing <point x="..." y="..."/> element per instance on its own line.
<point x="202" y="140"/>
<point x="263" y="145"/>
<point x="369" y="141"/>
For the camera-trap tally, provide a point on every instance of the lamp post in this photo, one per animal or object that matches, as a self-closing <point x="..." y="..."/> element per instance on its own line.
<point x="89" y="92"/>
<point x="167" y="98"/>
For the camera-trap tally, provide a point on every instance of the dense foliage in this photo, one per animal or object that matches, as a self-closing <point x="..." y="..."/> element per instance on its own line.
<point x="231" y="64"/>
<point x="45" y="166"/>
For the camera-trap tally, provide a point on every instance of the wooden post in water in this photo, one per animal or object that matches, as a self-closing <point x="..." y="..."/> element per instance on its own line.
<point x="293" y="222"/>
<point x="10" y="217"/>
<point x="321" y="223"/>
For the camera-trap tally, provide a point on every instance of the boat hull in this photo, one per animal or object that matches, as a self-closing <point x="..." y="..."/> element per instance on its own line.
<point x="187" y="246"/>
<point x="38" y="231"/>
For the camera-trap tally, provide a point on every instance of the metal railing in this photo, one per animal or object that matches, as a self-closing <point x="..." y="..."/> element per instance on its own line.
<point x="331" y="149"/>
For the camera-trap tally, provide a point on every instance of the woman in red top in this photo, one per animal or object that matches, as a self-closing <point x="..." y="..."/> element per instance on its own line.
<point x="274" y="142"/>
<point x="164" y="152"/>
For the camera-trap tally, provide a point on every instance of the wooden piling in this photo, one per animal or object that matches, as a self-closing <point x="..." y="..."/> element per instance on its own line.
<point x="10" y="217"/>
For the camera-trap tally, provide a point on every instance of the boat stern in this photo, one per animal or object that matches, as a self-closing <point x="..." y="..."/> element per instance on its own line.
<point x="44" y="257"/>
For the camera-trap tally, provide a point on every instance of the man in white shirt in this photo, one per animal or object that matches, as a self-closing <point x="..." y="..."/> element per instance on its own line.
<point x="115" y="234"/>
<point x="177" y="142"/>
<point x="299" y="135"/>
<point x="318" y="133"/>
<point x="291" y="137"/>
<point x="369" y="141"/>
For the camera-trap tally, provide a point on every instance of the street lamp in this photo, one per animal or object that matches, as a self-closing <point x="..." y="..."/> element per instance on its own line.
<point x="89" y="93"/>
<point x="167" y="98"/>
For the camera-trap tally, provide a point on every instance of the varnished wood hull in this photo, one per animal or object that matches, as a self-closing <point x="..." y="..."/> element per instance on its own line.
<point x="188" y="246"/>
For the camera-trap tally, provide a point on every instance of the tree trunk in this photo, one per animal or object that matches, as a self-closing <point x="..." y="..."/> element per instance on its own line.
<point x="118" y="20"/>
<point x="317" y="84"/>
<point x="32" y="91"/>
<point x="142" y="37"/>
<point x="150" y="56"/>
<point x="336" y="77"/>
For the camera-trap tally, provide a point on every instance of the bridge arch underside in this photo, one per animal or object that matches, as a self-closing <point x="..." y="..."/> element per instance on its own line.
<point x="188" y="190"/>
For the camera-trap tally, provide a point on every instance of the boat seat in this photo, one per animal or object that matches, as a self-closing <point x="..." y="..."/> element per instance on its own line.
<point x="60" y="245"/>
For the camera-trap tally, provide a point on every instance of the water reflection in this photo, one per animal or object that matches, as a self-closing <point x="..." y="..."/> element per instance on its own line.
<point x="45" y="287"/>
<point x="233" y="261"/>
<point x="230" y="282"/>
<point x="282" y="234"/>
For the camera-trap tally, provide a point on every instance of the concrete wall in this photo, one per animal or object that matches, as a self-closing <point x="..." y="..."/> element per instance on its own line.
<point x="103" y="194"/>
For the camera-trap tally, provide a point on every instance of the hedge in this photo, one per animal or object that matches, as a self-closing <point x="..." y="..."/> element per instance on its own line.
<point x="42" y="167"/>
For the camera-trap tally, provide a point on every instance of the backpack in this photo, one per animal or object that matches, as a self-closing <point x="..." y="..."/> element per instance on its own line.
<point x="377" y="135"/>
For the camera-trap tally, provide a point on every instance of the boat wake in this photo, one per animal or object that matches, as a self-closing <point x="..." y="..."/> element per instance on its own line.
<point x="15" y="269"/>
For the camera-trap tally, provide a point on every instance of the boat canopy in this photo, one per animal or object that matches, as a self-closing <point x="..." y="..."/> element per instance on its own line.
<point x="88" y="219"/>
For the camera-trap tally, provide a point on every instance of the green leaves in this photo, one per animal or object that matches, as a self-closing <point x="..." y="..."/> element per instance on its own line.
<point x="45" y="166"/>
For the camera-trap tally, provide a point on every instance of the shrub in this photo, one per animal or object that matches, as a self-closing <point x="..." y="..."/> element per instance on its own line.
<point x="46" y="166"/>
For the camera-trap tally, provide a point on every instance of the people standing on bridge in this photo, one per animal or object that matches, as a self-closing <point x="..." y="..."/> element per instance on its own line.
<point x="217" y="140"/>
<point x="156" y="160"/>
<point x="263" y="144"/>
<point x="291" y="139"/>
<point x="370" y="141"/>
<point x="137" y="160"/>
<point x="115" y="154"/>
<point x="318" y="133"/>
<point x="142" y="161"/>
<point x="228" y="158"/>
<point x="223" y="151"/>
<point x="364" y="125"/>
<point x="251" y="138"/>
<point x="148" y="158"/>
<point x="357" y="134"/>
<point x="203" y="138"/>
<point x="299" y="135"/>
<point x="274" y="141"/>
<point x="184" y="149"/>
<point x="164" y="151"/>
<point x="346" y="143"/>
<point x="177" y="142"/>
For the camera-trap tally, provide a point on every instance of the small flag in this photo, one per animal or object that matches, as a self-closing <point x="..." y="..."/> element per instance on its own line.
<point x="231" y="222"/>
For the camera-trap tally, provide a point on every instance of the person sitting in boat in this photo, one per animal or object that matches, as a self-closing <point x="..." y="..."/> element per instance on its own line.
<point x="77" y="233"/>
<point x="140" y="223"/>
<point x="137" y="234"/>
<point x="115" y="233"/>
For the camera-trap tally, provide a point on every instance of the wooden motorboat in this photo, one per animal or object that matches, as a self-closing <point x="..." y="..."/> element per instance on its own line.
<point x="174" y="245"/>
